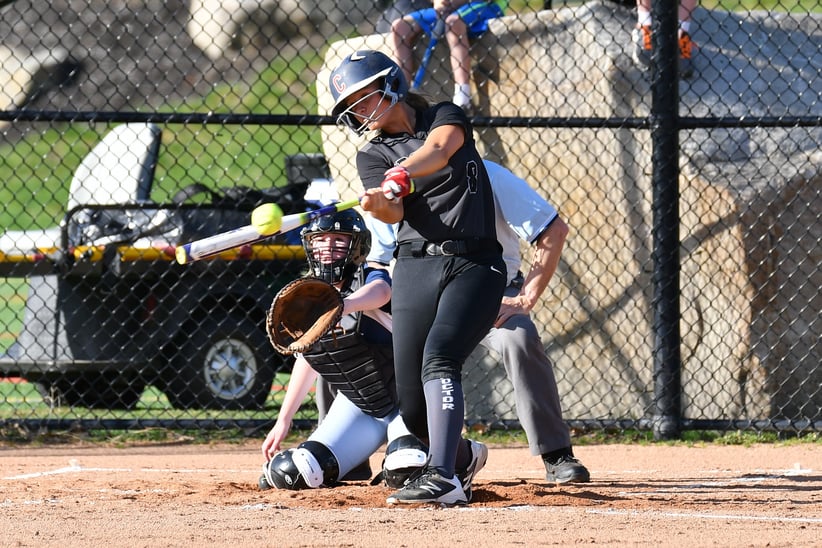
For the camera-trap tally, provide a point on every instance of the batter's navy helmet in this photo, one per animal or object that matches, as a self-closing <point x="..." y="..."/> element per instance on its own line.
<point x="358" y="71"/>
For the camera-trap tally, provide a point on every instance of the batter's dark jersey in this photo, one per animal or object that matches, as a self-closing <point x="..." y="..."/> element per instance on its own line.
<point x="456" y="203"/>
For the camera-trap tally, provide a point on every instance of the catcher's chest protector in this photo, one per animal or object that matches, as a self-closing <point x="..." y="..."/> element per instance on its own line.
<point x="363" y="372"/>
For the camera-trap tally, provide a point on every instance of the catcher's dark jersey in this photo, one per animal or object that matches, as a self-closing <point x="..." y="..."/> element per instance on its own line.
<point x="439" y="209"/>
<point x="358" y="360"/>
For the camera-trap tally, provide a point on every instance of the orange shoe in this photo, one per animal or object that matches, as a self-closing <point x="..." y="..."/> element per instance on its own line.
<point x="641" y="37"/>
<point x="686" y="46"/>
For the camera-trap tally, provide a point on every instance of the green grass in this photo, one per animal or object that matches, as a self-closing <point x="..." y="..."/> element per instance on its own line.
<point x="791" y="6"/>
<point x="247" y="155"/>
<point x="20" y="400"/>
<point x="10" y="435"/>
<point x="13" y="293"/>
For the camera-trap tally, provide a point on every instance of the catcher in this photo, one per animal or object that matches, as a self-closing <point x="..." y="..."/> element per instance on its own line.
<point x="354" y="357"/>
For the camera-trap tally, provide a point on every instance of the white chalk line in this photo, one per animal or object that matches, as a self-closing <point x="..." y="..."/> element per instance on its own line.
<point x="76" y="468"/>
<point x="702" y="515"/>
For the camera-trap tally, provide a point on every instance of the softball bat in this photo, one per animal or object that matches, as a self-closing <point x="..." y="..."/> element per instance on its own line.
<point x="249" y="234"/>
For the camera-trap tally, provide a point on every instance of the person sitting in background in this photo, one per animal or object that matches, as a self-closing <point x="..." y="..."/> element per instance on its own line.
<point x="463" y="20"/>
<point x="642" y="36"/>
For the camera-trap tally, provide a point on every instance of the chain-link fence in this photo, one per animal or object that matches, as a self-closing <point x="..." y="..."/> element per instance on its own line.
<point x="686" y="164"/>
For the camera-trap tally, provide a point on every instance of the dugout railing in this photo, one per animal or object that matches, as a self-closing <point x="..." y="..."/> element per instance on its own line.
<point x="757" y="255"/>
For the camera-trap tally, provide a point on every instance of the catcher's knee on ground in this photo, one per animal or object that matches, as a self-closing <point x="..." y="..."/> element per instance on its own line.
<point x="307" y="466"/>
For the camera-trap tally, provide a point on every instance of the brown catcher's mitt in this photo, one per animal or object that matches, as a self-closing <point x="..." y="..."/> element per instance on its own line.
<point x="302" y="312"/>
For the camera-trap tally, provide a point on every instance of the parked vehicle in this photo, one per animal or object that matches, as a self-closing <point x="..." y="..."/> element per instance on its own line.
<point x="109" y="310"/>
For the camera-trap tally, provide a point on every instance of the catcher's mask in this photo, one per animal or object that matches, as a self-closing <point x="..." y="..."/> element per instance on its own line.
<point x="338" y="263"/>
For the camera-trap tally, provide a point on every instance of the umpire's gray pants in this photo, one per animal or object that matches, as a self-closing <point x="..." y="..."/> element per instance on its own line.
<point x="532" y="375"/>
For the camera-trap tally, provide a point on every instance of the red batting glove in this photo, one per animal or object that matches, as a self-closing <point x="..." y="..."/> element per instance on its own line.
<point x="397" y="183"/>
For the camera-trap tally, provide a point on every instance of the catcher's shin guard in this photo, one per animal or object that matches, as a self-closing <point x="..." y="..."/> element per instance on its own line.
<point x="403" y="456"/>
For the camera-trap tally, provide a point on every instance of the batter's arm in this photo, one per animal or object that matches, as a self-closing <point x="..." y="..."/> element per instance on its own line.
<point x="442" y="143"/>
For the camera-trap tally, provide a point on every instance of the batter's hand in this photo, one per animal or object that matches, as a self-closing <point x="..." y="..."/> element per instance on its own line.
<point x="271" y="444"/>
<point x="397" y="183"/>
<point x="374" y="202"/>
<point x="510" y="306"/>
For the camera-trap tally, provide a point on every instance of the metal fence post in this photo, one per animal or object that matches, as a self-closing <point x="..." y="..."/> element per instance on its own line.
<point x="665" y="208"/>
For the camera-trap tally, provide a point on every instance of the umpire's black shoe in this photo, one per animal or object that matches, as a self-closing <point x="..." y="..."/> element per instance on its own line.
<point x="430" y="486"/>
<point x="566" y="469"/>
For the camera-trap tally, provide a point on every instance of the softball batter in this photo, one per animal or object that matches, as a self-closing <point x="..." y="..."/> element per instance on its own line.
<point x="422" y="169"/>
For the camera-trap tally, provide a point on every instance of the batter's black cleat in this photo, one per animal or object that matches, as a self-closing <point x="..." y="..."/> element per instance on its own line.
<point x="566" y="469"/>
<point x="430" y="486"/>
<point x="479" y="456"/>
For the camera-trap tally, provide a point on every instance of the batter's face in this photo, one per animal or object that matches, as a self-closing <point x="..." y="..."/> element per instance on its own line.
<point x="368" y="106"/>
<point x="330" y="246"/>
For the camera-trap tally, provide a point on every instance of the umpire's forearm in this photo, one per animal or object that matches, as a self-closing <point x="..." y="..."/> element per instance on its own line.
<point x="547" y="252"/>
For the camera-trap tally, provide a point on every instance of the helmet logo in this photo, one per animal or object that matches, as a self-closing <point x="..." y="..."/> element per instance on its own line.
<point x="338" y="82"/>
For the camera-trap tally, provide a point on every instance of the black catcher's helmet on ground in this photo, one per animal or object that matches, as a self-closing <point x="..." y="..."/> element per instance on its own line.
<point x="358" y="71"/>
<point x="307" y="466"/>
<point x="282" y="473"/>
<point x="341" y="269"/>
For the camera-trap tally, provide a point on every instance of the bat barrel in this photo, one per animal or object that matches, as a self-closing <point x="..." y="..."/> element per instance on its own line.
<point x="201" y="249"/>
<point x="207" y="247"/>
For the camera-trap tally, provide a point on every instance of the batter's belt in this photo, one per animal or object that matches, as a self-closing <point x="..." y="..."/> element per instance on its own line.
<point x="423" y="248"/>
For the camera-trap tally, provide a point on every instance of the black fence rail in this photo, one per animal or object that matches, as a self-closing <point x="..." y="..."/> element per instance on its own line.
<point x="688" y="294"/>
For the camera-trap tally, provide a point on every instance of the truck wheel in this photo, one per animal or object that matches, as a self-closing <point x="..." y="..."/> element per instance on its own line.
<point x="98" y="390"/>
<point x="224" y="364"/>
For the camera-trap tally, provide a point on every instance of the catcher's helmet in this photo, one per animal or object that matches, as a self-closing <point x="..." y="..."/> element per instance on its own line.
<point x="282" y="473"/>
<point x="356" y="72"/>
<point x="344" y="222"/>
<point x="310" y="465"/>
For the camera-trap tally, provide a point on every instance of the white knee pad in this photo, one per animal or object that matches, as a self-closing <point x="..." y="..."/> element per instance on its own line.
<point x="316" y="463"/>
<point x="308" y="466"/>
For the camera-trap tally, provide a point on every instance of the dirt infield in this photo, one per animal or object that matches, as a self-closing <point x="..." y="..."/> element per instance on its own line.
<point x="187" y="495"/>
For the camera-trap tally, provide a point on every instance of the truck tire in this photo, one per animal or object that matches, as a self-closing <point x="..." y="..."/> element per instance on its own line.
<point x="223" y="363"/>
